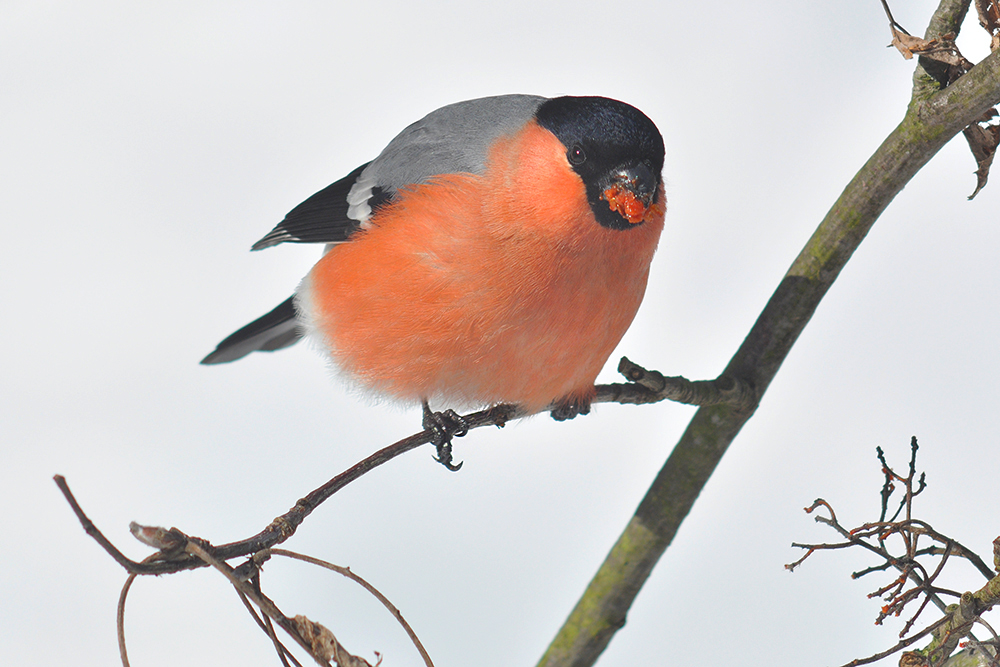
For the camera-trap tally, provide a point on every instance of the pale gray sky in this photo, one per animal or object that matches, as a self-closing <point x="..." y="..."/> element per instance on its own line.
<point x="145" y="148"/>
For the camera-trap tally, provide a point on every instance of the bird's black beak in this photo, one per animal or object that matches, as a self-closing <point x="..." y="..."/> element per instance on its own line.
<point x="631" y="192"/>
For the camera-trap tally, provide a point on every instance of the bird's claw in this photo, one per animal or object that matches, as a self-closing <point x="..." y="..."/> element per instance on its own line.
<point x="443" y="427"/>
<point x="570" y="408"/>
<point x="444" y="457"/>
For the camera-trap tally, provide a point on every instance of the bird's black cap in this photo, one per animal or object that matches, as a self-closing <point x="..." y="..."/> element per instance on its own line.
<point x="607" y="142"/>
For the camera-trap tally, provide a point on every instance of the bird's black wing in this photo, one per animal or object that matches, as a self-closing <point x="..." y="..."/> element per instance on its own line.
<point x="320" y="219"/>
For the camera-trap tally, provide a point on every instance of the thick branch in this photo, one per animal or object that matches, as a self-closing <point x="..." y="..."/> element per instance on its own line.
<point x="928" y="125"/>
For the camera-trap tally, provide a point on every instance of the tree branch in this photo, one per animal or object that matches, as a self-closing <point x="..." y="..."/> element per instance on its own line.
<point x="930" y="122"/>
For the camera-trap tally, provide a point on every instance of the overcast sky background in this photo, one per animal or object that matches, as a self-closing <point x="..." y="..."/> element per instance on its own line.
<point x="145" y="147"/>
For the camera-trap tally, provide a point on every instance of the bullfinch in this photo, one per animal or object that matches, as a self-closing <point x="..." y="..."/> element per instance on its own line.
<point x="494" y="252"/>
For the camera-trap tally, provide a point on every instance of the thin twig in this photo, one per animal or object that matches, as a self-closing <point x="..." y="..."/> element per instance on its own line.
<point x="264" y="623"/>
<point x="122" y="650"/>
<point x="892" y="21"/>
<point x="901" y="644"/>
<point x="92" y="530"/>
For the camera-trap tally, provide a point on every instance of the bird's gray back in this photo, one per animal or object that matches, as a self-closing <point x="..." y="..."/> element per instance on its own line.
<point x="452" y="139"/>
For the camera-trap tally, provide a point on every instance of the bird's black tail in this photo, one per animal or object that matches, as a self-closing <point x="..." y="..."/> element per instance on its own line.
<point x="271" y="332"/>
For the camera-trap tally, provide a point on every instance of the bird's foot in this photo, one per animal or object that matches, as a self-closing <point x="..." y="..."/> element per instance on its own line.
<point x="444" y="426"/>
<point x="569" y="408"/>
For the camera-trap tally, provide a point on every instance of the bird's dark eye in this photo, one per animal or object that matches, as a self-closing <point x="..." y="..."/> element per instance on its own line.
<point x="576" y="155"/>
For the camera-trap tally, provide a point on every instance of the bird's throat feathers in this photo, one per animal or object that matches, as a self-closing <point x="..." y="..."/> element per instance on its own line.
<point x="531" y="184"/>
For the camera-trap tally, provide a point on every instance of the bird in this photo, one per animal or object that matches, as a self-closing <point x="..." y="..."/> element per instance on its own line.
<point x="495" y="252"/>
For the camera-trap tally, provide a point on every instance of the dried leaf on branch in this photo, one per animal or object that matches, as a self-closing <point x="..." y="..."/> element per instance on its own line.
<point x="325" y="645"/>
<point x="989" y="18"/>
<point x="941" y="49"/>
<point x="983" y="139"/>
<point x="947" y="65"/>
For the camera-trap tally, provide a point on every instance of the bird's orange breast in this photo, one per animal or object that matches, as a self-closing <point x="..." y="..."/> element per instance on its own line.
<point x="483" y="289"/>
